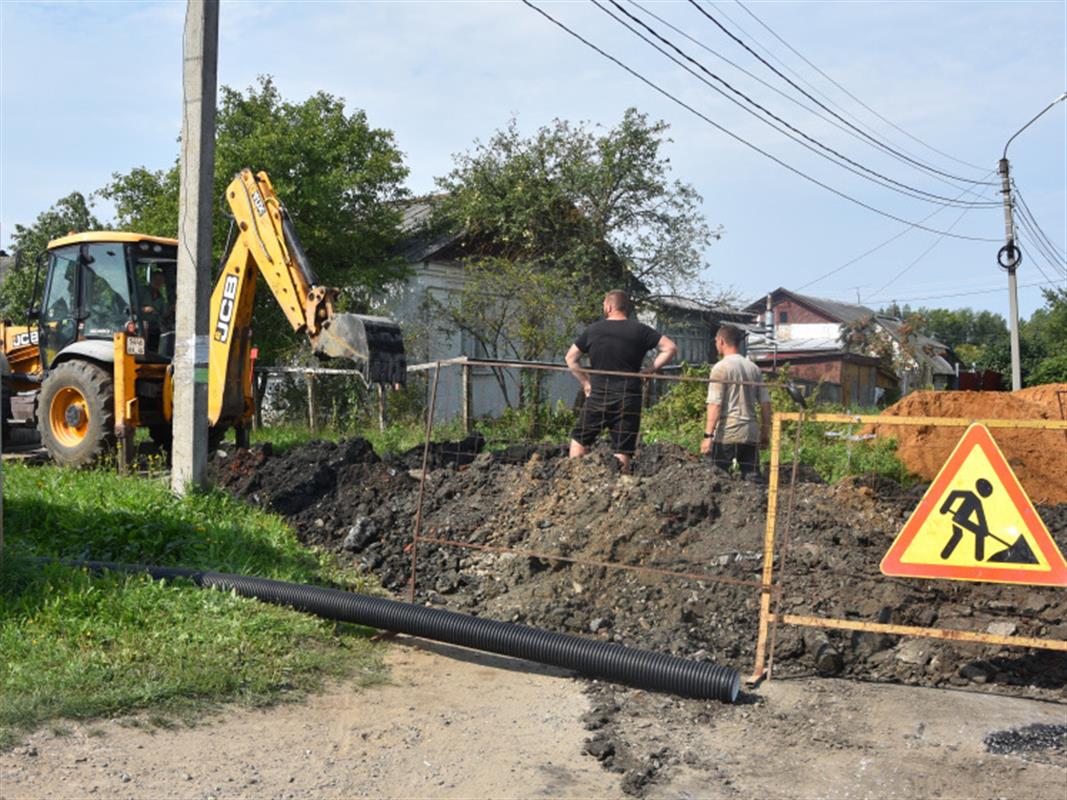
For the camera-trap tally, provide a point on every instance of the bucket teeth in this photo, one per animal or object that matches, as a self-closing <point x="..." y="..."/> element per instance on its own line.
<point x="374" y="343"/>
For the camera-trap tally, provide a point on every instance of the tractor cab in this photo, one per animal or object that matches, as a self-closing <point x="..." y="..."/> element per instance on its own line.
<point x="98" y="284"/>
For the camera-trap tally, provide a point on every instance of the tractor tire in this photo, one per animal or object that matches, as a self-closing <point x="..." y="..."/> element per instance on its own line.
<point x="76" y="414"/>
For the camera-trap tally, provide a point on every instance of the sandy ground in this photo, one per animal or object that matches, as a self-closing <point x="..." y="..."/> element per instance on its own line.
<point x="456" y="723"/>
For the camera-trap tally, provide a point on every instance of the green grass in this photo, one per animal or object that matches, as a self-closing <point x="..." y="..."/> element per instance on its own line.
<point x="78" y="645"/>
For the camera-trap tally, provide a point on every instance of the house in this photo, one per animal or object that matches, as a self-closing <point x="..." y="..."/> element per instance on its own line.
<point x="438" y="276"/>
<point x="807" y="332"/>
<point x="691" y="325"/>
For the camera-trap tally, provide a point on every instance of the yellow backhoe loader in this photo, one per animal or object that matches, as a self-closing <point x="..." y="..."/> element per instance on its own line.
<point x="97" y="364"/>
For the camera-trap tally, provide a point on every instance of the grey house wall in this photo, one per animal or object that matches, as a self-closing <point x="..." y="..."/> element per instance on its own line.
<point x="411" y="308"/>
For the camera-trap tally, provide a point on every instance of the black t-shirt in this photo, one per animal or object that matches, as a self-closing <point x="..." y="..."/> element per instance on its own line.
<point x="616" y="345"/>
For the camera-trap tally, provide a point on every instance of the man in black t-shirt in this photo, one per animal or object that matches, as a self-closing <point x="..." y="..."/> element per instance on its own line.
<point x="614" y="344"/>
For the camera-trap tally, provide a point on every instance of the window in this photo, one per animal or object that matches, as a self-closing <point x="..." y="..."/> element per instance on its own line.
<point x="105" y="289"/>
<point x="783" y="317"/>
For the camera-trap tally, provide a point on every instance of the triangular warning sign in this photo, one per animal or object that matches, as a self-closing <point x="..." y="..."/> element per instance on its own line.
<point x="975" y="523"/>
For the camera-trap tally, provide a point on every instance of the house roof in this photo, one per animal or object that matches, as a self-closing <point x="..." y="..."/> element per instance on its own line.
<point x="420" y="242"/>
<point x="834" y="309"/>
<point x="675" y="302"/>
<point x="825" y="344"/>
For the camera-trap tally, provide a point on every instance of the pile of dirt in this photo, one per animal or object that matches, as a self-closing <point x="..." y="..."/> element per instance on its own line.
<point x="676" y="513"/>
<point x="1051" y="396"/>
<point x="1038" y="457"/>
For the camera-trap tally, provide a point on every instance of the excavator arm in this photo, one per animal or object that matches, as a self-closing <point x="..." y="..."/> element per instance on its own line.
<point x="266" y="245"/>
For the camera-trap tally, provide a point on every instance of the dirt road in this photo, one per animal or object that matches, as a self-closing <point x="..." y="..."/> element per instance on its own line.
<point x="456" y="723"/>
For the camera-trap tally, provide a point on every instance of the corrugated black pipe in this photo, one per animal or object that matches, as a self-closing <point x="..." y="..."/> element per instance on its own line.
<point x="594" y="659"/>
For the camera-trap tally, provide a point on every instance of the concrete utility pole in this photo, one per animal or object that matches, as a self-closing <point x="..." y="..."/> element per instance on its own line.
<point x="199" y="74"/>
<point x="1010" y="256"/>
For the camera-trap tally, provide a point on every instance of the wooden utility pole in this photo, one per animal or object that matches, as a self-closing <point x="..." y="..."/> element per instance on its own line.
<point x="199" y="74"/>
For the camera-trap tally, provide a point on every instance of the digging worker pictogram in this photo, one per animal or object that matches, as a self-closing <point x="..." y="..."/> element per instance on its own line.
<point x="969" y="515"/>
<point x="613" y="402"/>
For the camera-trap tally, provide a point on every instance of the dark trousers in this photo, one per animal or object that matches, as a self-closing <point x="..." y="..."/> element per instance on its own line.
<point x="747" y="456"/>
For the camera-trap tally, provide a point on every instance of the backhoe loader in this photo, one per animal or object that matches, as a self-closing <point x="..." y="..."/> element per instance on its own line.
<point x="97" y="363"/>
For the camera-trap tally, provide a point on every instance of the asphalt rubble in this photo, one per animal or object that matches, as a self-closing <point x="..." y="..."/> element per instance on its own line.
<point x="676" y="513"/>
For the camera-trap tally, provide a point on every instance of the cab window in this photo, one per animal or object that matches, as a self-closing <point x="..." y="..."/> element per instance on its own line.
<point x="105" y="289"/>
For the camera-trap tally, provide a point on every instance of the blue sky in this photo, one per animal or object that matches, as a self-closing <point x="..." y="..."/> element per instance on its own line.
<point x="88" y="89"/>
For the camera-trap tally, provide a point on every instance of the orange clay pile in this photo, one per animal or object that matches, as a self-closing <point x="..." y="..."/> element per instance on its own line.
<point x="1038" y="457"/>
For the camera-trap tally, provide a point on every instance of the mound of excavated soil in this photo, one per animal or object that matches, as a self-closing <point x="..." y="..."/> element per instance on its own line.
<point x="1050" y="396"/>
<point x="1038" y="458"/>
<point x="678" y="513"/>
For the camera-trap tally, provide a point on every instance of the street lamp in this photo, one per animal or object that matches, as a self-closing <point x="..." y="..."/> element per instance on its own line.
<point x="1009" y="256"/>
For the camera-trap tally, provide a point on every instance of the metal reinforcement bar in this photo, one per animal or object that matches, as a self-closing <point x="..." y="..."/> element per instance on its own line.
<point x="590" y="657"/>
<point x="961" y="422"/>
<point x="912" y="630"/>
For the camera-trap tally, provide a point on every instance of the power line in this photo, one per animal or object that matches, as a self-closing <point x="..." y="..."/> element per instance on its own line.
<point x="921" y="256"/>
<point x="874" y="249"/>
<point x="1056" y="268"/>
<point x="847" y="92"/>
<point x="882" y="180"/>
<point x="1033" y="220"/>
<point x="1039" y="247"/>
<point x="956" y="294"/>
<point x="822" y="105"/>
<point x="785" y="96"/>
<point x="737" y="138"/>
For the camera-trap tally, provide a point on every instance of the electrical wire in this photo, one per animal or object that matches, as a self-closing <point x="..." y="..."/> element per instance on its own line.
<point x="1041" y="257"/>
<point x="822" y="105"/>
<point x="921" y="256"/>
<point x="847" y="92"/>
<point x="1044" y="274"/>
<point x="955" y="294"/>
<point x="882" y="180"/>
<point x="785" y="96"/>
<point x="874" y="249"/>
<point x="1033" y="220"/>
<point x="734" y="136"/>
<point x="1038" y="247"/>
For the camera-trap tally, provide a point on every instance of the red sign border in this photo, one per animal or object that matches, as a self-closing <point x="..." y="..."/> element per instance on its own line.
<point x="977" y="435"/>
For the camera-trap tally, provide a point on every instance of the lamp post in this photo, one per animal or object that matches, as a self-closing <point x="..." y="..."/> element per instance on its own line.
<point x="1009" y="256"/>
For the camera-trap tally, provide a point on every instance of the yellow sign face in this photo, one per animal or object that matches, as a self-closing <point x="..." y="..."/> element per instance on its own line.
<point x="976" y="523"/>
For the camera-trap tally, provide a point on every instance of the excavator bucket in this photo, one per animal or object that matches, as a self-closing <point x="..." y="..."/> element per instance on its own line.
<point x="374" y="343"/>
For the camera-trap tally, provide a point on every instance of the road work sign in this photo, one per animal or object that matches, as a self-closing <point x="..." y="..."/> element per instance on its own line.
<point x="975" y="523"/>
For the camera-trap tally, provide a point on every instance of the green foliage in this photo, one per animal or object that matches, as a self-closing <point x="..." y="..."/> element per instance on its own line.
<point x="340" y="179"/>
<point x="79" y="645"/>
<point x="71" y="213"/>
<point x="678" y="416"/>
<point x="1052" y="369"/>
<point x="834" y="456"/>
<point x="540" y="422"/>
<point x="551" y="221"/>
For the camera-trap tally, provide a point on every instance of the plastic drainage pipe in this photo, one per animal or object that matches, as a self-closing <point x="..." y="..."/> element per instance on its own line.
<point x="595" y="659"/>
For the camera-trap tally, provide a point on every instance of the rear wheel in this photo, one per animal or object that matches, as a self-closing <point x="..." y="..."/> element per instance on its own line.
<point x="76" y="413"/>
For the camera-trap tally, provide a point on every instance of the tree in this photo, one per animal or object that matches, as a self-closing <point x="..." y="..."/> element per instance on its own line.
<point x="1046" y="332"/>
<point x="71" y="213"/>
<point x="340" y="179"/>
<point x="549" y="222"/>
<point x="970" y="334"/>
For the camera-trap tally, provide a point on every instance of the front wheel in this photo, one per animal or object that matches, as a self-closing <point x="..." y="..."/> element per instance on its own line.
<point x="76" y="414"/>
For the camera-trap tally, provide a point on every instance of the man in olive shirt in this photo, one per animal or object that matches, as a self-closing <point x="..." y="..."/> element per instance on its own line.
<point x="613" y="402"/>
<point x="731" y="430"/>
